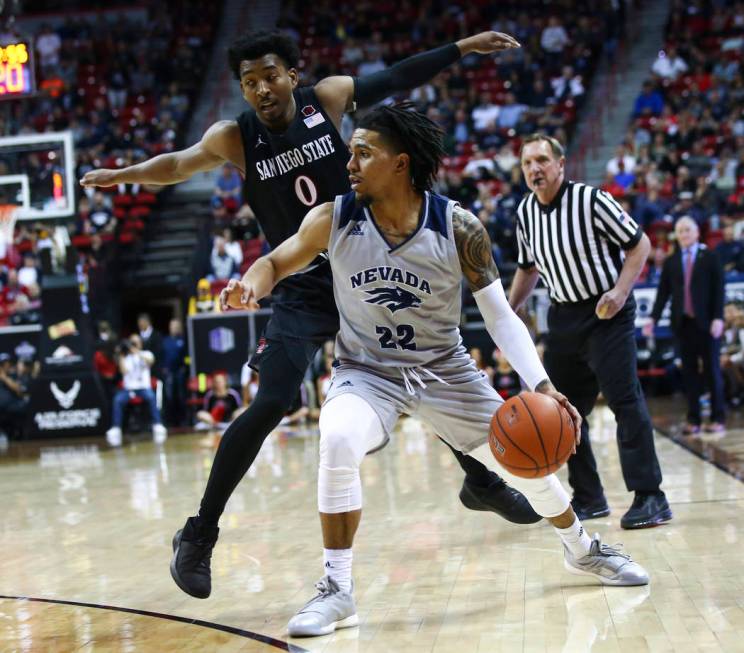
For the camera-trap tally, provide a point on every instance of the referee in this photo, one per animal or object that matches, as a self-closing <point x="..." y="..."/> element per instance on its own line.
<point x="589" y="252"/>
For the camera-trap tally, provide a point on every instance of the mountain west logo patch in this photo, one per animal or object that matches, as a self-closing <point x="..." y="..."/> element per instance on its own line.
<point x="312" y="117"/>
<point x="395" y="298"/>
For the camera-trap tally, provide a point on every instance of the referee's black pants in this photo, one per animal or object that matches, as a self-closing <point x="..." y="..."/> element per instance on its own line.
<point x="584" y="355"/>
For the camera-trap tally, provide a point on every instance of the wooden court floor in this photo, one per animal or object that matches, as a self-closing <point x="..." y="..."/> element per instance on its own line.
<point x="85" y="547"/>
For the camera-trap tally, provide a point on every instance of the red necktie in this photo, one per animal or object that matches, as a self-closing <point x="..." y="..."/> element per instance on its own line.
<point x="688" y="278"/>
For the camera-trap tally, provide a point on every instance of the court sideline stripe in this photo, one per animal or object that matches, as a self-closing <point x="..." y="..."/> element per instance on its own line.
<point x="700" y="454"/>
<point x="277" y="643"/>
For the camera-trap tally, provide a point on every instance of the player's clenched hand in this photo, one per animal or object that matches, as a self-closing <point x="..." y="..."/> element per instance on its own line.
<point x="487" y="42"/>
<point x="547" y="388"/>
<point x="102" y="177"/>
<point x="239" y="296"/>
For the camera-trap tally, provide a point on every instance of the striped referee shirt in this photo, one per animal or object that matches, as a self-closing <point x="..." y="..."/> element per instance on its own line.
<point x="576" y="242"/>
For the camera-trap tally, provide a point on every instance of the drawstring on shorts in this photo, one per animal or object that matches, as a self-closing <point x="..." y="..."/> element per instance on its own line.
<point x="413" y="373"/>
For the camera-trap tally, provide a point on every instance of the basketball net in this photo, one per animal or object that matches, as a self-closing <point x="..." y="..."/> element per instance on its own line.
<point x="8" y="213"/>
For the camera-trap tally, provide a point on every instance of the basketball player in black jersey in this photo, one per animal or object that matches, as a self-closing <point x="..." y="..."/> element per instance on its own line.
<point x="288" y="147"/>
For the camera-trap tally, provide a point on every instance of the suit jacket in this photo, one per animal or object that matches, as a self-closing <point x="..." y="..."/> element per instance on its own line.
<point x="706" y="288"/>
<point x="154" y="344"/>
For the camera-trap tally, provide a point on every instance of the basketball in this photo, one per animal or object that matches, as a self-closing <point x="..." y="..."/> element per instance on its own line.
<point x="531" y="435"/>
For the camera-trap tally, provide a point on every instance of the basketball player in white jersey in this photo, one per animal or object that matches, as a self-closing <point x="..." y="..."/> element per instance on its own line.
<point x="398" y="254"/>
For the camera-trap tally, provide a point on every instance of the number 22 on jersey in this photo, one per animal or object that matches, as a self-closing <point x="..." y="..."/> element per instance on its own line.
<point x="404" y="340"/>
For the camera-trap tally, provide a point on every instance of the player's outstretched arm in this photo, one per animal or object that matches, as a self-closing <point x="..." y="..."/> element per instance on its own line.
<point x="220" y="143"/>
<point x="339" y="93"/>
<point x="291" y="256"/>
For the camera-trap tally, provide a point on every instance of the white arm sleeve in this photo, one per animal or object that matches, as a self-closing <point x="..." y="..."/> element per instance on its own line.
<point x="510" y="334"/>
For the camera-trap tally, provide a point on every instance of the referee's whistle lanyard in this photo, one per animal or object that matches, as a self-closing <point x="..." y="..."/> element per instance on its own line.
<point x="411" y="374"/>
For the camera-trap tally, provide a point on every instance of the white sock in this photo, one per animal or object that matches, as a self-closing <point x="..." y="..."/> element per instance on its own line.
<point x="337" y="565"/>
<point x="575" y="538"/>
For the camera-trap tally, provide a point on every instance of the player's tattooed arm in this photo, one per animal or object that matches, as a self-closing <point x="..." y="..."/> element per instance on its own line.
<point x="474" y="249"/>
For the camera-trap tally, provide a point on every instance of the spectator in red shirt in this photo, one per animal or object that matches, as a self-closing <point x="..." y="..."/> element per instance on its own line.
<point x="221" y="405"/>
<point x="10" y="292"/>
<point x="104" y="358"/>
<point x="612" y="186"/>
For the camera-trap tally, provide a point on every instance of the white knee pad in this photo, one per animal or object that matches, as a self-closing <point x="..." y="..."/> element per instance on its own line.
<point x="349" y="427"/>
<point x="339" y="489"/>
<point x="546" y="495"/>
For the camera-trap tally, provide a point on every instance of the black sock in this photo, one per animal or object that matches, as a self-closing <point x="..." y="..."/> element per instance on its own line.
<point x="279" y="382"/>
<point x="476" y="473"/>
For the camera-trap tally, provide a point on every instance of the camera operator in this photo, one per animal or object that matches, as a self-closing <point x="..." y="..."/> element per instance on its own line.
<point x="134" y="364"/>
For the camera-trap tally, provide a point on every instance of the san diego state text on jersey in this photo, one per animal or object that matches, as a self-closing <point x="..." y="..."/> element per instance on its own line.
<point x="288" y="161"/>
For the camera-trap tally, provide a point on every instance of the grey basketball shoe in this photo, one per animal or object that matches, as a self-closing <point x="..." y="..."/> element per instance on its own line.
<point x="607" y="564"/>
<point x="322" y="614"/>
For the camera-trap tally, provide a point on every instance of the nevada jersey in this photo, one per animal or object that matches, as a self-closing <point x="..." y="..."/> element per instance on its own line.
<point x="398" y="306"/>
<point x="286" y="174"/>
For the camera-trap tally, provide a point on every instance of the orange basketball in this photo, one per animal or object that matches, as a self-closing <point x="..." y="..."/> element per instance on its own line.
<point x="531" y="435"/>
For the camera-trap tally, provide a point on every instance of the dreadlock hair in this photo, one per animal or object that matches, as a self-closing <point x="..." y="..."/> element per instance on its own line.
<point x="407" y="131"/>
<point x="255" y="45"/>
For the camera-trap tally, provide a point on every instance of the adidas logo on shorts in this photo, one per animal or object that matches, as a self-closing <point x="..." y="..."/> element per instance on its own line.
<point x="346" y="384"/>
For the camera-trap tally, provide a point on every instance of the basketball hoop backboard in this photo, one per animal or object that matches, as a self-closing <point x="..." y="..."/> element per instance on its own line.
<point x="37" y="173"/>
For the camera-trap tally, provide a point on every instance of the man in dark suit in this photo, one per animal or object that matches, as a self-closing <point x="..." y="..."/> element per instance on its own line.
<point x="152" y="341"/>
<point x="693" y="277"/>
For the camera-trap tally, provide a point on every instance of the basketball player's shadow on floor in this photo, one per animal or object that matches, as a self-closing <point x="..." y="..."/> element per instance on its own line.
<point x="594" y="611"/>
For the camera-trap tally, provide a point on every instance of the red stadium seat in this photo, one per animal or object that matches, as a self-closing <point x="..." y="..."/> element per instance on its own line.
<point x="127" y="238"/>
<point x="713" y="238"/>
<point x="123" y="200"/>
<point x="217" y="286"/>
<point x="82" y="241"/>
<point x="144" y="197"/>
<point x="140" y="211"/>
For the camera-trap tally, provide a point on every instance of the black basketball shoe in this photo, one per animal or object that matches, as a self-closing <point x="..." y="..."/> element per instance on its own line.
<point x="595" y="509"/>
<point x="192" y="554"/>
<point x="648" y="509"/>
<point x="498" y="497"/>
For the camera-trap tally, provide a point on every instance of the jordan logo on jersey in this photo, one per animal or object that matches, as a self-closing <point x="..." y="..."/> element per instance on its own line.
<point x="394" y="299"/>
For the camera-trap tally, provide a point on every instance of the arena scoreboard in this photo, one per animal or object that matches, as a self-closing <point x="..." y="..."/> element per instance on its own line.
<point x="16" y="70"/>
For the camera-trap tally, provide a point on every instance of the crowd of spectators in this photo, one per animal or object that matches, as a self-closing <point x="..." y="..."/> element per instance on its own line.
<point x="683" y="153"/>
<point x="732" y="353"/>
<point x="123" y="82"/>
<point x="484" y="103"/>
<point x="125" y="88"/>
<point x="16" y="375"/>
<point x="20" y="293"/>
